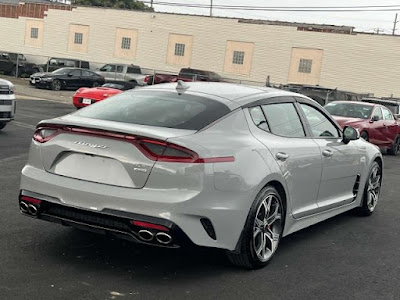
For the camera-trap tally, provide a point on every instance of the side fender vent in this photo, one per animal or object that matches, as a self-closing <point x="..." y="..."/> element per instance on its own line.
<point x="356" y="187"/>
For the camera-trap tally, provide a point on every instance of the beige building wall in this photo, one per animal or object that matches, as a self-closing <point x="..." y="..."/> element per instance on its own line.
<point x="305" y="66"/>
<point x="357" y="62"/>
<point x="179" y="51"/>
<point x="34" y="33"/>
<point x="78" y="43"/>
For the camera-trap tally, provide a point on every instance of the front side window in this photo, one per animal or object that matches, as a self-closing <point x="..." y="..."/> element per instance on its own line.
<point x="320" y="125"/>
<point x="238" y="57"/>
<point x="387" y="115"/>
<point x="305" y="65"/>
<point x="78" y="38"/>
<point x="378" y="114"/>
<point x="283" y="119"/>
<point x="34" y="33"/>
<point x="126" y="43"/>
<point x="108" y="68"/>
<point x="179" y="49"/>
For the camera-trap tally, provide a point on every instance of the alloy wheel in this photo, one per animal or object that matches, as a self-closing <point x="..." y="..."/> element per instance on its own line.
<point x="267" y="228"/>
<point x="374" y="188"/>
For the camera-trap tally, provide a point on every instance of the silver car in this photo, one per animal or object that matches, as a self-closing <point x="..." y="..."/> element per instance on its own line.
<point x="210" y="164"/>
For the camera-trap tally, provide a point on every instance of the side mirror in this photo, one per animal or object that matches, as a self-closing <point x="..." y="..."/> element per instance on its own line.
<point x="374" y="119"/>
<point x="350" y="134"/>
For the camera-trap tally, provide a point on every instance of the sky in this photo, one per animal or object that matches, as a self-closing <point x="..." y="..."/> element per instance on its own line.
<point x="362" y="21"/>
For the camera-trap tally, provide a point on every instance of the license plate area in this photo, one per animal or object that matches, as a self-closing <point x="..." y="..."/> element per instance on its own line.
<point x="86" y="101"/>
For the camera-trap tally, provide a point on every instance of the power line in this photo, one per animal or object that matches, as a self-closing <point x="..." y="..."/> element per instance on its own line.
<point x="286" y="8"/>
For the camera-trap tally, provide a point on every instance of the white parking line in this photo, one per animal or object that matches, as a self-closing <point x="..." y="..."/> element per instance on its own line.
<point x="21" y="124"/>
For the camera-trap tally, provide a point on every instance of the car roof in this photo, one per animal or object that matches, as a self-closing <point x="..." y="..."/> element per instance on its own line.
<point x="356" y="102"/>
<point x="239" y="94"/>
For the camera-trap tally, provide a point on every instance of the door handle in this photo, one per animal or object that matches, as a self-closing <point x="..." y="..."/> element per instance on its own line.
<point x="327" y="153"/>
<point x="282" y="156"/>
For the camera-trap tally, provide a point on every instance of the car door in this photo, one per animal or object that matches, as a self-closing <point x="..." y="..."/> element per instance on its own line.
<point x="74" y="79"/>
<point x="377" y="129"/>
<point x="340" y="161"/>
<point x="391" y="127"/>
<point x="277" y="125"/>
<point x="108" y="72"/>
<point x="119" y="73"/>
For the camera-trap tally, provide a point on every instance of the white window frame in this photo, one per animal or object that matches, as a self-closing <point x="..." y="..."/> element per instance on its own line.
<point x="179" y="49"/>
<point x="78" y="38"/>
<point x="305" y="65"/>
<point x="126" y="43"/>
<point x="238" y="57"/>
<point x="34" y="33"/>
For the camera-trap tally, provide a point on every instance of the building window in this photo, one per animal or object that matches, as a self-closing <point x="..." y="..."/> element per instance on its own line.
<point x="179" y="49"/>
<point x="238" y="57"/>
<point x="78" y="38"/>
<point x="305" y="65"/>
<point x="126" y="43"/>
<point x="34" y="33"/>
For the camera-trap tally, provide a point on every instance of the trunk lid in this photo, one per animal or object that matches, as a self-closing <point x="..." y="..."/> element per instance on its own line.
<point x="101" y="151"/>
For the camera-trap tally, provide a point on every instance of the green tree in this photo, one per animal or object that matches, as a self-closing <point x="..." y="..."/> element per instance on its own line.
<point x="122" y="4"/>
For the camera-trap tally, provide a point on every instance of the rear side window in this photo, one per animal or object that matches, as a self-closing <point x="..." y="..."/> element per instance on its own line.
<point x="283" y="120"/>
<point x="161" y="109"/>
<point x="133" y="70"/>
<point x="258" y="117"/>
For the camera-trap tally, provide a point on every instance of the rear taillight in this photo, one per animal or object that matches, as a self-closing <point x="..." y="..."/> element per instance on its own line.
<point x="149" y="225"/>
<point x="146" y="79"/>
<point x="44" y="134"/>
<point x="30" y="199"/>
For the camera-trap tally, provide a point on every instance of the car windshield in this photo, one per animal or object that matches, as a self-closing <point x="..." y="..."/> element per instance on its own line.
<point x="349" y="110"/>
<point x="62" y="71"/>
<point x="113" y="86"/>
<point x="158" y="108"/>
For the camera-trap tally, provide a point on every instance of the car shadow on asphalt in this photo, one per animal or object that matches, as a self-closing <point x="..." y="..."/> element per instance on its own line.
<point x="88" y="251"/>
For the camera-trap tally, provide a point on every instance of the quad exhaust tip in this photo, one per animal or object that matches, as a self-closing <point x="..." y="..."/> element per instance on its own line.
<point x="23" y="206"/>
<point x="146" y="235"/>
<point x="163" y="238"/>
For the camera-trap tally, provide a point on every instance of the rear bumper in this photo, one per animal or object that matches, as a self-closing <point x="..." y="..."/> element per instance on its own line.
<point x="182" y="209"/>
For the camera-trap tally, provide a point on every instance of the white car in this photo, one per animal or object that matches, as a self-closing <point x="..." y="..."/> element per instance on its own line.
<point x="212" y="164"/>
<point x="7" y="102"/>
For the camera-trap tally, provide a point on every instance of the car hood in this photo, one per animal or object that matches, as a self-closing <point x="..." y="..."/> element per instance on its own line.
<point x="353" y="122"/>
<point x="40" y="74"/>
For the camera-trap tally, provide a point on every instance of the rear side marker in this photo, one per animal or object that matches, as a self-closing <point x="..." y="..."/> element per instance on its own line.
<point x="153" y="149"/>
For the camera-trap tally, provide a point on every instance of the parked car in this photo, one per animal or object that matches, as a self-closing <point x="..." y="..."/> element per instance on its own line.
<point x="215" y="165"/>
<point x="55" y="63"/>
<point x="66" y="78"/>
<point x="392" y="104"/>
<point x="321" y="94"/>
<point x="7" y="102"/>
<point x="11" y="62"/>
<point x="87" y="96"/>
<point x="185" y="74"/>
<point x="122" y="72"/>
<point x="375" y="122"/>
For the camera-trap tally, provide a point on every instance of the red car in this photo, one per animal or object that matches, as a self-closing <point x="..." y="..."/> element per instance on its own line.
<point x="86" y="96"/>
<point x="375" y="122"/>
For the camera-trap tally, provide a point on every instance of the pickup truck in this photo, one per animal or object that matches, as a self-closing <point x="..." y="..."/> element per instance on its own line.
<point x="11" y="62"/>
<point x="7" y="102"/>
<point x="185" y="74"/>
<point x="123" y="72"/>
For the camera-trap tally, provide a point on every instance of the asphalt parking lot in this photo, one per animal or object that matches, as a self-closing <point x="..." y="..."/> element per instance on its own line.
<point x="346" y="257"/>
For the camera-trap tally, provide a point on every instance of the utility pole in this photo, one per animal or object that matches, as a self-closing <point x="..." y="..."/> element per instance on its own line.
<point x="151" y="3"/>
<point x="211" y="7"/>
<point x="395" y="24"/>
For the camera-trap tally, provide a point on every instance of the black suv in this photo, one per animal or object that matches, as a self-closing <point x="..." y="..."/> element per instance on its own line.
<point x="55" y="63"/>
<point x="11" y="62"/>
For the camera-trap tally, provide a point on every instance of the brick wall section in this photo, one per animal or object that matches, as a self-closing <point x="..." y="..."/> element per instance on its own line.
<point x="28" y="10"/>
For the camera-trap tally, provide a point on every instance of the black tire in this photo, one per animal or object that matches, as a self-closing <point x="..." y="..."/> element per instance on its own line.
<point x="364" y="135"/>
<point x="2" y="125"/>
<point x="395" y="150"/>
<point x="372" y="189"/>
<point x="56" y="85"/>
<point x="249" y="256"/>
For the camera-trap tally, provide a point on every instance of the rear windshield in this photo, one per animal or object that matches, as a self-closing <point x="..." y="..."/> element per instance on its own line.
<point x="157" y="108"/>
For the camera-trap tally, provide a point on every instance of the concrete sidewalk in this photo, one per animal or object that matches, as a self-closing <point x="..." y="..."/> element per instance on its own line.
<point x="24" y="91"/>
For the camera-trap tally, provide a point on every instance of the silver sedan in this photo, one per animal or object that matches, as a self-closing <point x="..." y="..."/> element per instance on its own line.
<point x="210" y="164"/>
